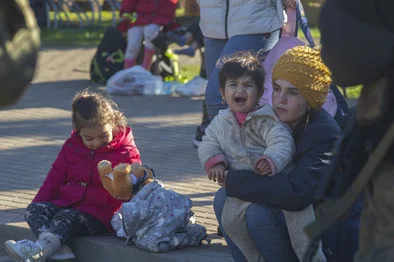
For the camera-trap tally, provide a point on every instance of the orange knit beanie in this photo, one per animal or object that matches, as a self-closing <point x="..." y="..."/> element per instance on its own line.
<point x="303" y="67"/>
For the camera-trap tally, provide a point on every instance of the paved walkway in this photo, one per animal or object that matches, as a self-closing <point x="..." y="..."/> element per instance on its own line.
<point x="33" y="130"/>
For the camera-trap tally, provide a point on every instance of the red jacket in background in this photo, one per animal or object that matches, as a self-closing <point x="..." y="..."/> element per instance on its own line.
<point x="74" y="181"/>
<point x="159" y="12"/>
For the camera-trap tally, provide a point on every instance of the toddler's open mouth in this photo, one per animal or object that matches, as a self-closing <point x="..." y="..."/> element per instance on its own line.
<point x="240" y="100"/>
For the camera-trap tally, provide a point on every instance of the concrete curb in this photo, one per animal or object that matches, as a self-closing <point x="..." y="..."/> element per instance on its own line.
<point x="111" y="248"/>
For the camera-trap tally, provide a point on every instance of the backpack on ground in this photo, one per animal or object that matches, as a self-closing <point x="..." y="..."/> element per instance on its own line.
<point x="109" y="56"/>
<point x="110" y="53"/>
<point x="165" y="63"/>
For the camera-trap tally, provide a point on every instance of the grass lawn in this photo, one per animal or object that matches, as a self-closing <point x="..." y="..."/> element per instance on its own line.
<point x="73" y="35"/>
<point x="189" y="71"/>
<point x="91" y="36"/>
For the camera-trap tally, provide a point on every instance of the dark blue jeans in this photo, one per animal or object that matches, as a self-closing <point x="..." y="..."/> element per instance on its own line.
<point x="216" y="48"/>
<point x="267" y="227"/>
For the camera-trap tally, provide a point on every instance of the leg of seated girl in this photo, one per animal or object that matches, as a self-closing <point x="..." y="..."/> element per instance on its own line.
<point x="151" y="31"/>
<point x="267" y="227"/>
<point x="218" y="204"/>
<point x="42" y="219"/>
<point x="39" y="215"/>
<point x="134" y="41"/>
<point x="70" y="222"/>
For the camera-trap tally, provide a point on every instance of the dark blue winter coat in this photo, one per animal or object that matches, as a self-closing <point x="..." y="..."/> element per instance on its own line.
<point x="296" y="190"/>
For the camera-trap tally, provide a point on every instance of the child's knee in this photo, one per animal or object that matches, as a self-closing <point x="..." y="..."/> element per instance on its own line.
<point x="149" y="45"/>
<point x="148" y="41"/>
<point x="40" y="207"/>
<point x="150" y="33"/>
<point x="32" y="206"/>
<point x="132" y="52"/>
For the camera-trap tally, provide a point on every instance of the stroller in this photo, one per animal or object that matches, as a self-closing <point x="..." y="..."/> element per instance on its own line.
<point x="109" y="57"/>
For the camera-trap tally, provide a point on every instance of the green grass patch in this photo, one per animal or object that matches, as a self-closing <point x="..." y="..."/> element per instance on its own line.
<point x="106" y="16"/>
<point x="315" y="32"/>
<point x="352" y="92"/>
<point x="189" y="71"/>
<point x="72" y="37"/>
<point x="70" y="34"/>
<point x="179" y="12"/>
<point x="91" y="37"/>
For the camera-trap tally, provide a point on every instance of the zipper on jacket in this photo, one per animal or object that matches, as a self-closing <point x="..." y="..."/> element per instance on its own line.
<point x="91" y="161"/>
<point x="251" y="158"/>
<point x="226" y="19"/>
<point x="241" y="132"/>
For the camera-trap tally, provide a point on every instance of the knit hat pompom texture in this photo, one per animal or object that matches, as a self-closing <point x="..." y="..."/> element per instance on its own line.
<point x="303" y="68"/>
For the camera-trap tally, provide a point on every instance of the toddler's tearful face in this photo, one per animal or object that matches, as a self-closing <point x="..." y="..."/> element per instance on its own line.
<point x="241" y="94"/>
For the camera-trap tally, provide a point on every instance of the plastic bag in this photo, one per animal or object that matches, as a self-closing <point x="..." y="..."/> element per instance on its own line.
<point x="135" y="81"/>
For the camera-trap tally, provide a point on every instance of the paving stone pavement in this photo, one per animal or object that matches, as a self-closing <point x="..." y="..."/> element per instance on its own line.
<point x="33" y="131"/>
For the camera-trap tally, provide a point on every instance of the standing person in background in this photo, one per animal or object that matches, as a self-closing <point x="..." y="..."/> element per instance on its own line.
<point x="191" y="36"/>
<point x="236" y="25"/>
<point x="143" y="21"/>
<point x="340" y="242"/>
<point x="195" y="87"/>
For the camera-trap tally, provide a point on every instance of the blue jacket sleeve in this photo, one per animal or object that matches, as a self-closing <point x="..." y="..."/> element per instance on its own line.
<point x="293" y="191"/>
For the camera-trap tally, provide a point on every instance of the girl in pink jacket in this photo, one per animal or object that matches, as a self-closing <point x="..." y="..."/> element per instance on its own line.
<point x="72" y="201"/>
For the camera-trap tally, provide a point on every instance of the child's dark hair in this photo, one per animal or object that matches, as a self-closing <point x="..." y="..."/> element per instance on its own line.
<point x="240" y="64"/>
<point x="90" y="109"/>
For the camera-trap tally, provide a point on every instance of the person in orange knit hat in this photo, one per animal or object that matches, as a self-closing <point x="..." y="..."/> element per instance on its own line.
<point x="300" y="85"/>
<point x="302" y="67"/>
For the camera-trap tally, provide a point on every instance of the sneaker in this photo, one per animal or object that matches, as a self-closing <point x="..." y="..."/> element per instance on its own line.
<point x="198" y="138"/>
<point x="24" y="250"/>
<point x="195" y="87"/>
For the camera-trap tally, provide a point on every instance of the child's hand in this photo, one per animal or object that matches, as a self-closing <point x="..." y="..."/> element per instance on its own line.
<point x="222" y="182"/>
<point x="263" y="167"/>
<point x="216" y="173"/>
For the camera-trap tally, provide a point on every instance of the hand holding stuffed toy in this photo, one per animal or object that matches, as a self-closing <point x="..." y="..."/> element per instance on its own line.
<point x="124" y="181"/>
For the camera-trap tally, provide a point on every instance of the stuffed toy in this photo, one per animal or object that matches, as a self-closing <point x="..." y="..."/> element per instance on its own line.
<point x="124" y="181"/>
